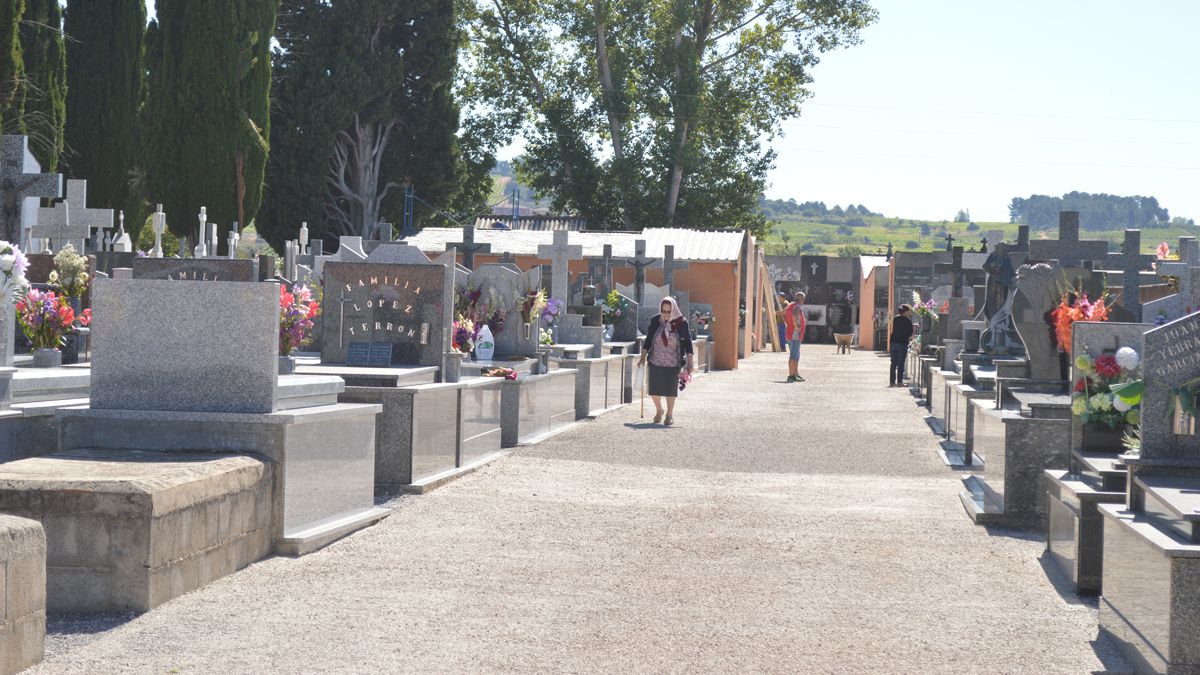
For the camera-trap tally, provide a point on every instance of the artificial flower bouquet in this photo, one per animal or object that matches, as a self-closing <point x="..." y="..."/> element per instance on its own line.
<point x="70" y="274"/>
<point x="551" y="310"/>
<point x="1108" y="389"/>
<point x="46" y="317"/>
<point x="297" y="309"/>
<point x="13" y="264"/>
<point x="1074" y="306"/>
<point x="506" y="373"/>
<point x="615" y="306"/>
<point x="927" y="309"/>
<point x="532" y="305"/>
<point x="463" y="334"/>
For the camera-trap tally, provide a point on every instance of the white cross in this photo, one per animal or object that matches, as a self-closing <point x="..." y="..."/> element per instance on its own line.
<point x="201" y="250"/>
<point x="70" y="221"/>
<point x="121" y="242"/>
<point x="159" y="223"/>
<point x="815" y="266"/>
<point x="560" y="255"/>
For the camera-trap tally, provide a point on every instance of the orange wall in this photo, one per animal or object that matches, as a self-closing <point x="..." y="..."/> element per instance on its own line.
<point x="710" y="283"/>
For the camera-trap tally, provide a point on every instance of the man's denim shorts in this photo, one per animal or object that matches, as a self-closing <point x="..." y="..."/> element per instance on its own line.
<point x="794" y="350"/>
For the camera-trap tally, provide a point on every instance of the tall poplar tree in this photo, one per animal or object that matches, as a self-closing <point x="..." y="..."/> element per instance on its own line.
<point x="106" y="77"/>
<point x="206" y="117"/>
<point x="12" y="67"/>
<point x="46" y="80"/>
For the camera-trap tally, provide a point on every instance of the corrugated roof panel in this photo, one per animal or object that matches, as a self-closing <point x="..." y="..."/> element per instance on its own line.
<point x="693" y="245"/>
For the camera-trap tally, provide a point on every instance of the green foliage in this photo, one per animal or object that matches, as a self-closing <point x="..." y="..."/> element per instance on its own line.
<point x="1096" y="211"/>
<point x="145" y="239"/>
<point x="911" y="245"/>
<point x="12" y="68"/>
<point x="206" y="119"/>
<point x="652" y="112"/>
<point x="106" y="76"/>
<point x="46" y="80"/>
<point x="850" y="251"/>
<point x="963" y="216"/>
<point x="355" y="72"/>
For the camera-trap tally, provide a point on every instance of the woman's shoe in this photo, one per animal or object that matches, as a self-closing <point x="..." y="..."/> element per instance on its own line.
<point x="657" y="418"/>
<point x="669" y="421"/>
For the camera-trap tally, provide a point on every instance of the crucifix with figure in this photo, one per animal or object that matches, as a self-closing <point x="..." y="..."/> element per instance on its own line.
<point x="21" y="179"/>
<point x="560" y="255"/>
<point x="469" y="247"/>
<point x="639" y="262"/>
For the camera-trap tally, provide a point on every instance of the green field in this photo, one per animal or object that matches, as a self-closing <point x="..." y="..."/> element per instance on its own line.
<point x="830" y="234"/>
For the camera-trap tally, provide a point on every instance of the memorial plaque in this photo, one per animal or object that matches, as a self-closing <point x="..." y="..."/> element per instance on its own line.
<point x="195" y="269"/>
<point x="839" y="317"/>
<point x="1171" y="369"/>
<point x="358" y="354"/>
<point x="405" y="305"/>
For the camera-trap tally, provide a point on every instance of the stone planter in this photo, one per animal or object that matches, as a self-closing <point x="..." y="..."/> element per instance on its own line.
<point x="47" y="358"/>
<point x="287" y="365"/>
<point x="1099" y="437"/>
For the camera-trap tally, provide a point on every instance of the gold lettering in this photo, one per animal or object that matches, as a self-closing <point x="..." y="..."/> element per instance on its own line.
<point x="375" y="281"/>
<point x="389" y="326"/>
<point x="408" y="309"/>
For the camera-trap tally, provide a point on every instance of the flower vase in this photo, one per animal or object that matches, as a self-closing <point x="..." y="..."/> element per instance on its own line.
<point x="526" y="329"/>
<point x="1099" y="437"/>
<point x="287" y="365"/>
<point x="608" y="332"/>
<point x="47" y="358"/>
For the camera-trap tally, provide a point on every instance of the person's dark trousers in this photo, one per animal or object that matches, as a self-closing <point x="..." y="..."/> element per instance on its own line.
<point x="899" y="353"/>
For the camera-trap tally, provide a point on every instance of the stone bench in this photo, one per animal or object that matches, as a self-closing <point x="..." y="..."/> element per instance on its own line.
<point x="129" y="530"/>
<point x="23" y="590"/>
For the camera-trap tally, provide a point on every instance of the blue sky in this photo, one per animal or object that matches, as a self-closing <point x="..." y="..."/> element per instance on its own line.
<point x="964" y="104"/>
<point x="961" y="104"/>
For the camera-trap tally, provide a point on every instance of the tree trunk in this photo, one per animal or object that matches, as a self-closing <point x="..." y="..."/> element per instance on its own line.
<point x="606" y="85"/>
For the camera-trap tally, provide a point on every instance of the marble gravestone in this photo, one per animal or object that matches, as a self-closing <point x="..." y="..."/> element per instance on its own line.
<point x="21" y="185"/>
<point x="1039" y="290"/>
<point x="70" y="221"/>
<point x="500" y="286"/>
<point x="1131" y="262"/>
<point x="1171" y="369"/>
<point x="195" y="269"/>
<point x="1186" y="272"/>
<point x="652" y="300"/>
<point x="232" y="370"/>
<point x="392" y="298"/>
<point x="560" y="254"/>
<point x="626" y="327"/>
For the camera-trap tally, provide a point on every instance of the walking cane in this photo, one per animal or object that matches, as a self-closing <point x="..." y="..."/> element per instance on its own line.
<point x="641" y="376"/>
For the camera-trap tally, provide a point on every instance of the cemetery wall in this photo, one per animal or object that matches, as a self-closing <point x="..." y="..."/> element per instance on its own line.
<point x="23" y="622"/>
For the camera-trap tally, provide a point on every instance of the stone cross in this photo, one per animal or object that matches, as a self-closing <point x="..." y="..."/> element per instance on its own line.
<point x="955" y="268"/>
<point x="815" y="267"/>
<point x="949" y="242"/>
<point x="1131" y="262"/>
<point x="121" y="242"/>
<point x="468" y="247"/>
<point x="983" y="245"/>
<point x="213" y="238"/>
<point x="560" y="254"/>
<point x="303" y="238"/>
<point x="158" y="223"/>
<point x="71" y="221"/>
<point x="1022" y="238"/>
<point x="290" y="249"/>
<point x="201" y="250"/>
<point x="1068" y="250"/>
<point x="639" y="262"/>
<point x="21" y="179"/>
<point x="507" y="259"/>
<point x="234" y="238"/>
<point x="669" y="266"/>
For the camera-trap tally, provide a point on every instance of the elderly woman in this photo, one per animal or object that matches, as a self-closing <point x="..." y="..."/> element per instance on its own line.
<point x="668" y="347"/>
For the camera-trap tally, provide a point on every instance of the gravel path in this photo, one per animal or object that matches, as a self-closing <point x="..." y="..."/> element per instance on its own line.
<point x="778" y="527"/>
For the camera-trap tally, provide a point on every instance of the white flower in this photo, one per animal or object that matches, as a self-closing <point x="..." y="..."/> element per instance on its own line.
<point x="1127" y="358"/>
<point x="7" y="261"/>
<point x="1101" y="402"/>
<point x="1120" y="405"/>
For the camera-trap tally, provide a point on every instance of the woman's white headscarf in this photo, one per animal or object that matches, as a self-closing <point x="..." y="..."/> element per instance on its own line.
<point x="670" y="324"/>
<point x="675" y="313"/>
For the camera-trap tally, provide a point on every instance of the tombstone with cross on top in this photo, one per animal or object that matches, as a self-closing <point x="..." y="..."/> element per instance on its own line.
<point x="1131" y="262"/>
<point x="469" y="247"/>
<point x="158" y="223"/>
<point x="21" y="185"/>
<point x="71" y="221"/>
<point x="560" y="254"/>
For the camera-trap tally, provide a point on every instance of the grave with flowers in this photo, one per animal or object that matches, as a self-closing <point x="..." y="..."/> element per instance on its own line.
<point x="1105" y="409"/>
<point x="1151" y="565"/>
<point x="210" y="441"/>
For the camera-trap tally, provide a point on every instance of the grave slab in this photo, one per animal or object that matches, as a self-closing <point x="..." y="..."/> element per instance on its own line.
<point x="195" y="269"/>
<point x="129" y="531"/>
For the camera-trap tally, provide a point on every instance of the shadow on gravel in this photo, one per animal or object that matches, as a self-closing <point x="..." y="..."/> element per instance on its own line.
<point x="1026" y="534"/>
<point x="1062" y="583"/>
<point x="67" y="631"/>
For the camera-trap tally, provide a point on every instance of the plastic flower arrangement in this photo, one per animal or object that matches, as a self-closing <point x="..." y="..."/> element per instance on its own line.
<point x="550" y="312"/>
<point x="1108" y="389"/>
<point x="463" y="334"/>
<point x="926" y="309"/>
<point x="13" y="264"/>
<point x="545" y="337"/>
<point x="70" y="272"/>
<point x="296" y="313"/>
<point x="532" y="305"/>
<point x="615" y="306"/>
<point x="482" y="308"/>
<point x="1075" y="306"/>
<point x="703" y="319"/>
<point x="45" y="317"/>
<point x="506" y="373"/>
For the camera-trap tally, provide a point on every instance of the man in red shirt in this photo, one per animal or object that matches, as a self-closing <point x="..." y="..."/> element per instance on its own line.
<point x="795" y="323"/>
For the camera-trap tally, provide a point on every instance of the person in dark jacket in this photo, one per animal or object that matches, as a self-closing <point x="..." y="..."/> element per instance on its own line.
<point x="902" y="330"/>
<point x="668" y="348"/>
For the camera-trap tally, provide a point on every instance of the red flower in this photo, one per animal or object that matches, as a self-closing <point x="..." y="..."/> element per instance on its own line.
<point x="1106" y="366"/>
<point x="1081" y="384"/>
<point x="85" y="319"/>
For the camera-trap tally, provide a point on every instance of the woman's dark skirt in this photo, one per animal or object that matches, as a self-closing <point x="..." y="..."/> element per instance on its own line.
<point x="664" y="381"/>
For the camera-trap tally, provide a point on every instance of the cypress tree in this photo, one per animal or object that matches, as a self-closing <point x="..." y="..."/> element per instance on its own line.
<point x="12" y="67"/>
<point x="206" y="117"/>
<point x="46" y="73"/>
<point x="106" y="77"/>
<point x="370" y="63"/>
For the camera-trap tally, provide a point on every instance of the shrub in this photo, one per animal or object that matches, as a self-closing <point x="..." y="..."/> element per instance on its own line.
<point x="911" y="244"/>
